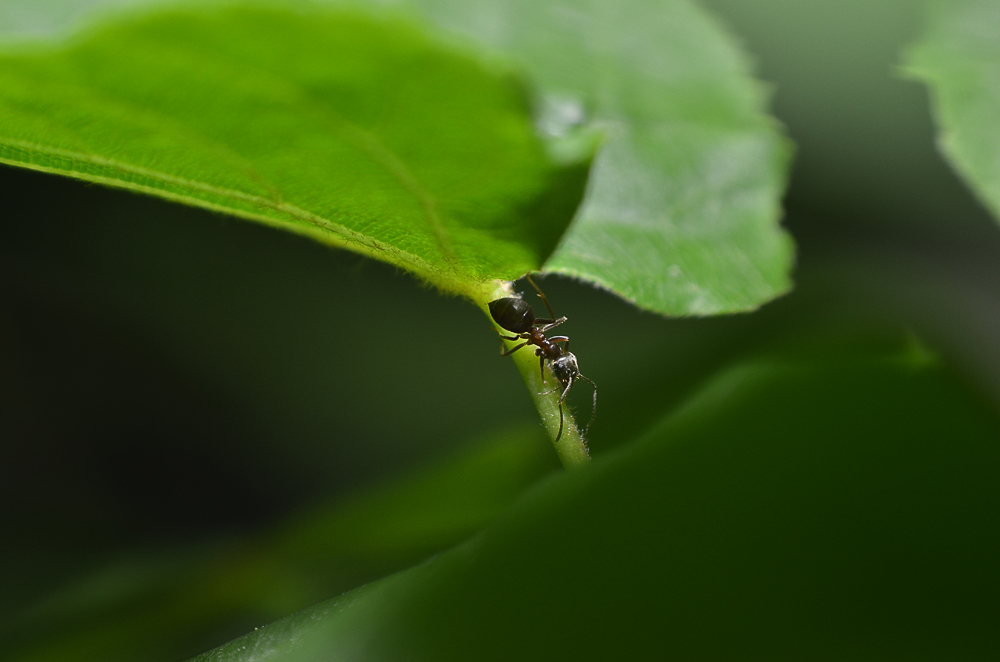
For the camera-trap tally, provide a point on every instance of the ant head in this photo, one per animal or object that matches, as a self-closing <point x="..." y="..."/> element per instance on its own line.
<point x="565" y="368"/>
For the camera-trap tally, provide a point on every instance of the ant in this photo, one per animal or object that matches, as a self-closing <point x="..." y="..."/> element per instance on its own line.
<point x="515" y="315"/>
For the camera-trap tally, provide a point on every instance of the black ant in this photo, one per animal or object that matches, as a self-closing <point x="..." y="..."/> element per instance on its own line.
<point x="515" y="315"/>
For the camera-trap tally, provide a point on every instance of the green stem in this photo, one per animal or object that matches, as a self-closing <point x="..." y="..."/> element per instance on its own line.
<point x="571" y="447"/>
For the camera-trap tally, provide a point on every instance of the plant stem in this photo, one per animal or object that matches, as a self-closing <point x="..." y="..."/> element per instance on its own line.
<point x="571" y="447"/>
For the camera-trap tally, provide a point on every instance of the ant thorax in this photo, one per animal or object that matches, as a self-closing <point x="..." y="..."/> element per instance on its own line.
<point x="565" y="368"/>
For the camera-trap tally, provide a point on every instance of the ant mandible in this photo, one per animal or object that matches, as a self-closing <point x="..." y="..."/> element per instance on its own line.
<point x="515" y="315"/>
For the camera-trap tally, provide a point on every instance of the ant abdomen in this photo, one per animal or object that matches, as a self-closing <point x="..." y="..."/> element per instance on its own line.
<point x="512" y="314"/>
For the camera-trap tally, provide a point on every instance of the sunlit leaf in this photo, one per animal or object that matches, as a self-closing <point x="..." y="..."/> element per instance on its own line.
<point x="681" y="213"/>
<point x="359" y="132"/>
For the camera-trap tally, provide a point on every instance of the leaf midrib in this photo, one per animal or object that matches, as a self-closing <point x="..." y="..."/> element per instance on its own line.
<point x="372" y="244"/>
<point x="379" y="153"/>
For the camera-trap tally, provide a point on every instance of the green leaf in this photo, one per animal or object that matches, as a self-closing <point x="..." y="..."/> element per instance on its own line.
<point x="959" y="60"/>
<point x="843" y="506"/>
<point x="360" y="133"/>
<point x="682" y="207"/>
<point x="681" y="212"/>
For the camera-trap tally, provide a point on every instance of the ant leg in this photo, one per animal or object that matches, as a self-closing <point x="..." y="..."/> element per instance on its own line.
<point x="561" y="339"/>
<point x="569" y="385"/>
<point x="508" y="353"/>
<point x="561" y="398"/>
<point x="541" y="364"/>
<point x="559" y="434"/>
<point x="503" y="337"/>
<point x="550" y="323"/>
<point x="542" y="295"/>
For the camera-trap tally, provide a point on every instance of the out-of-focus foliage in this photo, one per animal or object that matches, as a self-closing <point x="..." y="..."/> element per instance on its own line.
<point x="158" y="606"/>
<point x="761" y="520"/>
<point x="959" y="59"/>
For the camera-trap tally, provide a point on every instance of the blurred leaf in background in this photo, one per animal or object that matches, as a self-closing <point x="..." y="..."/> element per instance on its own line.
<point x="841" y="505"/>
<point x="959" y="60"/>
<point x="171" y="604"/>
